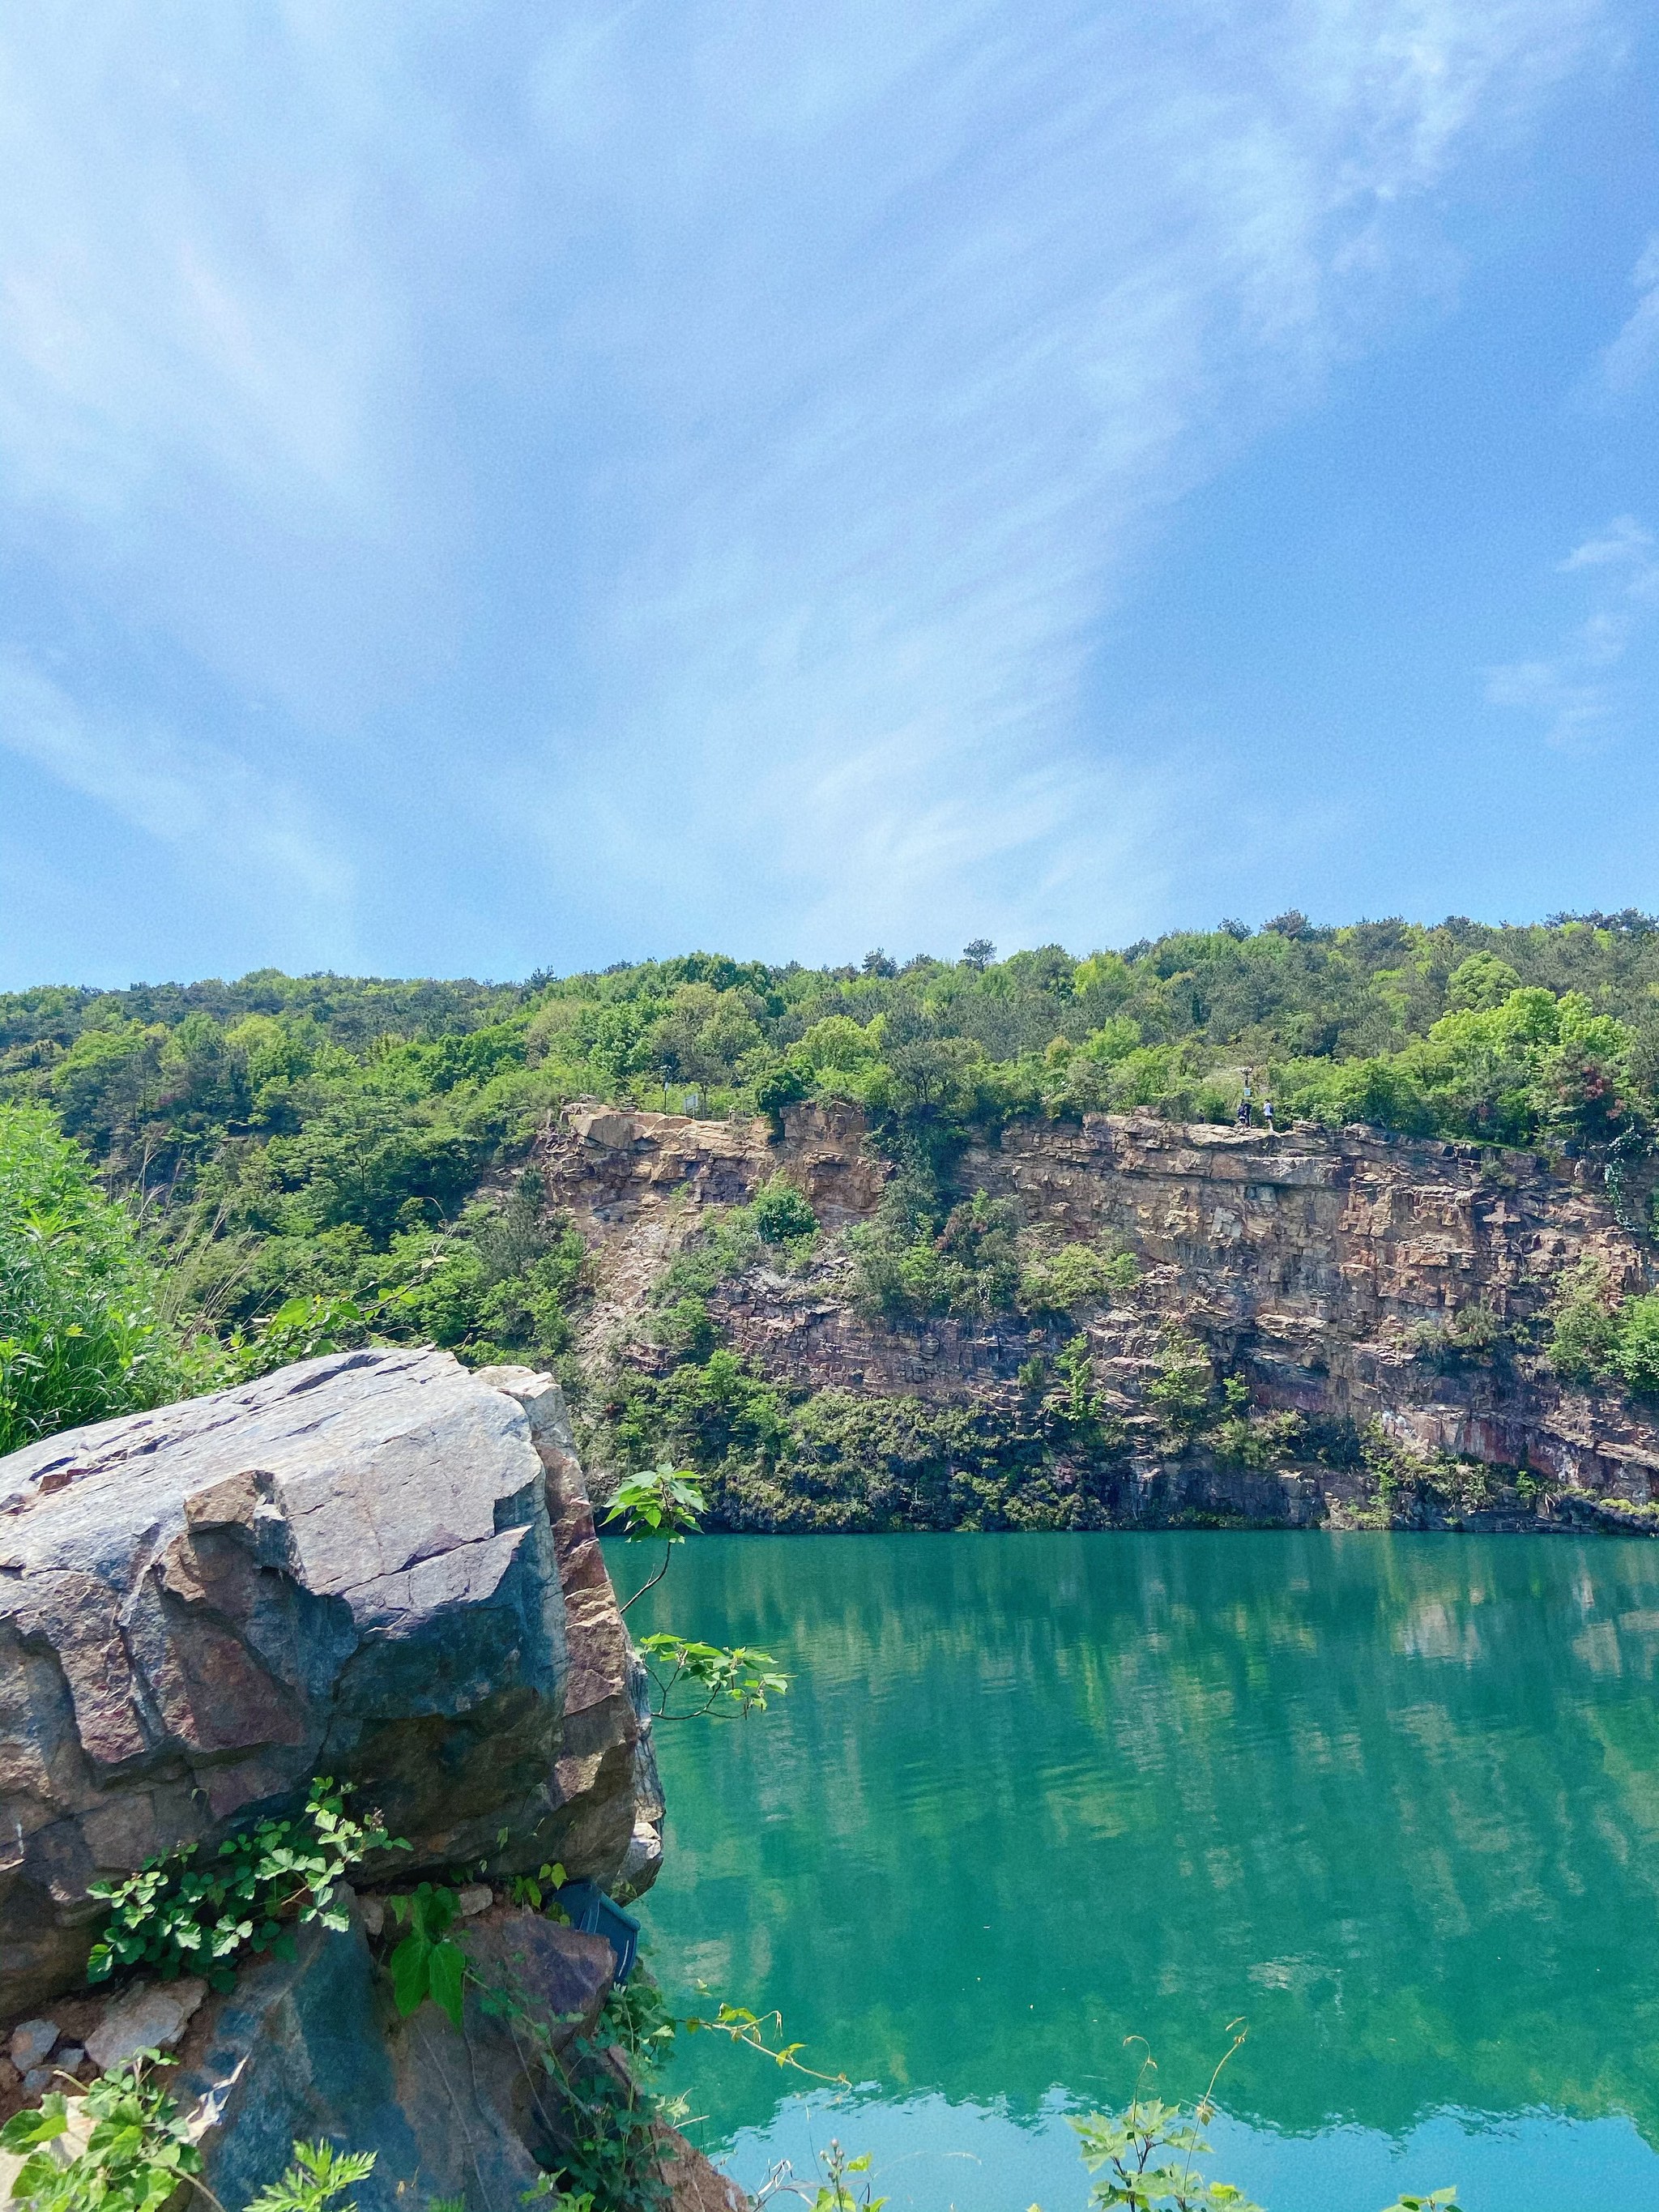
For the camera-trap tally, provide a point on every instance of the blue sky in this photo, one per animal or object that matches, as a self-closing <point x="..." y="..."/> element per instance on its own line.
<point x="493" y="486"/>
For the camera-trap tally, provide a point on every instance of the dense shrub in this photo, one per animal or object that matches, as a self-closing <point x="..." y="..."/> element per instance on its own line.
<point x="780" y="1213"/>
<point x="1634" y="1356"/>
<point x="770" y="1458"/>
<point x="1075" y="1275"/>
<point x="82" y="1329"/>
<point x="1598" y="1336"/>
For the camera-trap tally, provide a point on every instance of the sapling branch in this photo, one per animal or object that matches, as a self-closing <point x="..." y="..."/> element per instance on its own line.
<point x="667" y="1561"/>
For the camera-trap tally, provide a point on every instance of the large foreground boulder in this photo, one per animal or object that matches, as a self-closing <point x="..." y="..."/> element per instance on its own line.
<point x="358" y="1566"/>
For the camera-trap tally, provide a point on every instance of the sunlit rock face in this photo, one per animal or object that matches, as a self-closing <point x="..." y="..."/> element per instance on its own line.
<point x="1326" y="1269"/>
<point x="354" y="1567"/>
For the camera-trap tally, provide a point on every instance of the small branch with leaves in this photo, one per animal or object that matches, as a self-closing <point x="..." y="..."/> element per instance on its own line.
<point x="662" y="1506"/>
<point x="712" y="1682"/>
<point x="835" y="2192"/>
<point x="749" y="2028"/>
<point x="689" y="1680"/>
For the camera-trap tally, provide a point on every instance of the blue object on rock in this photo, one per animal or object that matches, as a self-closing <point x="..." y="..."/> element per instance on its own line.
<point x="596" y="1914"/>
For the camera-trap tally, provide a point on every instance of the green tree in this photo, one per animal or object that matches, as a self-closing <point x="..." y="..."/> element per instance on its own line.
<point x="83" y="1332"/>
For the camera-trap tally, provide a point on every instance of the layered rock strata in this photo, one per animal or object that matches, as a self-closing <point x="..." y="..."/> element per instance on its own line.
<point x="1322" y="1267"/>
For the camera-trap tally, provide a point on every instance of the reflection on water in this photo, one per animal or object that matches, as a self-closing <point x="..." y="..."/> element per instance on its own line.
<point x="1394" y="1799"/>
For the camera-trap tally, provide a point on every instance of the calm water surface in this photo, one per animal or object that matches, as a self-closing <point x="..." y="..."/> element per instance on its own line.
<point x="1392" y="1799"/>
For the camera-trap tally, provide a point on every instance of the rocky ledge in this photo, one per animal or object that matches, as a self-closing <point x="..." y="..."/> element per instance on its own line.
<point x="373" y="1565"/>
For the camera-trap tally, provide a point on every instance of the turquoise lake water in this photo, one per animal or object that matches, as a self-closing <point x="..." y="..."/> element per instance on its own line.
<point x="1392" y="1799"/>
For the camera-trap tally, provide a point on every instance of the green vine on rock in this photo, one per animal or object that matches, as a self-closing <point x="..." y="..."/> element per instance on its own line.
<point x="183" y="1913"/>
<point x="136" y="2155"/>
<point x="609" y="2127"/>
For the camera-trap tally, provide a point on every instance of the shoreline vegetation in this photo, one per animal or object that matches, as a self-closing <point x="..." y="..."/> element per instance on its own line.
<point x="201" y="1182"/>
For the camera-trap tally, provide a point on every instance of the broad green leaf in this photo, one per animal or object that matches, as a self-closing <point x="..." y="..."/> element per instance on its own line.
<point x="445" y="1970"/>
<point x="409" y="1978"/>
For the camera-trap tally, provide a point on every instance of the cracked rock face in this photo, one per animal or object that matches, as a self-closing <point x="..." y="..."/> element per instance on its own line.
<point x="351" y="1567"/>
<point x="1308" y="1261"/>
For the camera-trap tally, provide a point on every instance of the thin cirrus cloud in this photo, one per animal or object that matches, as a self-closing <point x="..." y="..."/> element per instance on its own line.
<point x="678" y="464"/>
<point x="252" y="832"/>
<point x="1630" y="360"/>
<point x="1058" y="269"/>
<point x="1584" y="694"/>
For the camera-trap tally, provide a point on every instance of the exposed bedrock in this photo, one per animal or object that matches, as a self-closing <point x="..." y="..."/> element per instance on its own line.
<point x="1315" y="1264"/>
<point x="372" y="1564"/>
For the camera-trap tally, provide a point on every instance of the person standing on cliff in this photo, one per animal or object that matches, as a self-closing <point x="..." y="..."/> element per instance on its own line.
<point x="1266" y="1113"/>
<point x="1244" y="1103"/>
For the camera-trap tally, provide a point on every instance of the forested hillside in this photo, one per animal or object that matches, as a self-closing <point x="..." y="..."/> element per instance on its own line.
<point x="332" y="1140"/>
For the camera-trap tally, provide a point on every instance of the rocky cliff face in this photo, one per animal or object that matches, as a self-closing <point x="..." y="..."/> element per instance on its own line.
<point x="1322" y="1269"/>
<point x="374" y="1565"/>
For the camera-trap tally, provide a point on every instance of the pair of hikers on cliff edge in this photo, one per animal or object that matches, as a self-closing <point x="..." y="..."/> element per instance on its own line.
<point x="1246" y="1117"/>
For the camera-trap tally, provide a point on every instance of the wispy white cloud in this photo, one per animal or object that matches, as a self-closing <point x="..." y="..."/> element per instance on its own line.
<point x="1623" y="543"/>
<point x="1630" y="359"/>
<point x="240" y="825"/>
<point x="928" y="352"/>
<point x="686" y="457"/>
<point x="1582" y="693"/>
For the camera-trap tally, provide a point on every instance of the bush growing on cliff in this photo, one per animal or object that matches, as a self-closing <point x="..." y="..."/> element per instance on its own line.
<point x="1584" y="1326"/>
<point x="1635" y="1354"/>
<point x="1260" y="1441"/>
<point x="1471" y="1334"/>
<point x="1180" y="1388"/>
<point x="777" y="1225"/>
<point x="771" y="1458"/>
<point x="782" y="1214"/>
<point x="1075" y="1275"/>
<point x="84" y="1331"/>
<point x="1597" y="1336"/>
<point x="911" y="1263"/>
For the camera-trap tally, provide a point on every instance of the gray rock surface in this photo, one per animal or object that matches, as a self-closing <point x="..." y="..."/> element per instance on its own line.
<point x="607" y="1764"/>
<point x="151" y="2016"/>
<point x="31" y="2041"/>
<point x="372" y="1564"/>
<point x="309" y="2046"/>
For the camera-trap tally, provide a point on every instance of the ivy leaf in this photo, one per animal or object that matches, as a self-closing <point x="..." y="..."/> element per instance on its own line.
<point x="446" y="1968"/>
<point x="23" y="2131"/>
<point x="410" y="1975"/>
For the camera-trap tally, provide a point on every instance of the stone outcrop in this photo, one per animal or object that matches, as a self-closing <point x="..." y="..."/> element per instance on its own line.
<point x="308" y="2046"/>
<point x="379" y="1565"/>
<point x="372" y="1564"/>
<point x="1322" y="1267"/>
